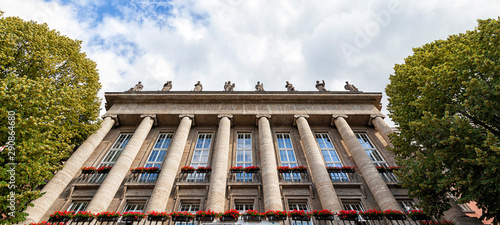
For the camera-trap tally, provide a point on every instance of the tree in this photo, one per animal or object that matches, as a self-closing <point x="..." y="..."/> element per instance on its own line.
<point x="49" y="105"/>
<point x="445" y="99"/>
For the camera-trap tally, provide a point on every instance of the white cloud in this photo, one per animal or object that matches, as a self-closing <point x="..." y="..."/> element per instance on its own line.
<point x="246" y="41"/>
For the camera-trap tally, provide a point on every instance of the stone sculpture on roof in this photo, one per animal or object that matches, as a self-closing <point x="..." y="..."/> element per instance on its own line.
<point x="167" y="86"/>
<point x="289" y="86"/>
<point x="259" y="86"/>
<point x="198" y="87"/>
<point x="137" y="87"/>
<point x="228" y="86"/>
<point x="350" y="87"/>
<point x="321" y="86"/>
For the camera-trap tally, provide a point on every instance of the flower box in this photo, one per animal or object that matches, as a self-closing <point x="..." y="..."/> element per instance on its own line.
<point x="230" y="215"/>
<point x="107" y="219"/>
<point x="188" y="169"/>
<point x="393" y="168"/>
<point x="284" y="169"/>
<point x="204" y="218"/>
<point x="350" y="215"/>
<point x="324" y="217"/>
<point x="83" y="219"/>
<point x="228" y="219"/>
<point x="418" y="215"/>
<point x="333" y="169"/>
<point x="323" y="214"/>
<point x="182" y="216"/>
<point x="299" y="169"/>
<point x="276" y="215"/>
<point x="104" y="169"/>
<point x="236" y="169"/>
<point x="395" y="217"/>
<point x="61" y="216"/>
<point x="133" y="216"/>
<point x="301" y="218"/>
<point x="145" y="170"/>
<point x="157" y="218"/>
<point x="372" y="217"/>
<point x="108" y="216"/>
<point x="381" y="169"/>
<point x="88" y="170"/>
<point x="251" y="169"/>
<point x="252" y="218"/>
<point x="203" y="169"/>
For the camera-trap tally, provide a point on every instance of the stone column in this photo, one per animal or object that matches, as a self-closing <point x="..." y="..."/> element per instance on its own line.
<point x="217" y="189"/>
<point x="58" y="183"/>
<point x="320" y="176"/>
<point x="270" y="180"/>
<point x="166" y="178"/>
<point x="382" y="127"/>
<point x="376" y="184"/>
<point x="114" y="178"/>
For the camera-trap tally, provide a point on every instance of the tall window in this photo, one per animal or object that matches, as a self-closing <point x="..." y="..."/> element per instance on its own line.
<point x="358" y="207"/>
<point x="191" y="207"/>
<point x="156" y="156"/>
<point x="244" y="156"/>
<point x="407" y="205"/>
<point x="200" y="156"/>
<point x="243" y="206"/>
<point x="330" y="155"/>
<point x="112" y="155"/>
<point x="299" y="206"/>
<point x="134" y="207"/>
<point x="375" y="157"/>
<point x="78" y="206"/>
<point x="287" y="155"/>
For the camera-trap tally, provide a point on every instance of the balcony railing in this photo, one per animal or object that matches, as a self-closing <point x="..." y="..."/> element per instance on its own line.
<point x="142" y="177"/>
<point x="294" y="177"/>
<point x="343" y="177"/>
<point x="91" y="178"/>
<point x="389" y="177"/>
<point x="243" y="177"/>
<point x="194" y="177"/>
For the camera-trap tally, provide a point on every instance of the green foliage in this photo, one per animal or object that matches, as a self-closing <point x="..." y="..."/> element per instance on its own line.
<point x="445" y="99"/>
<point x="52" y="88"/>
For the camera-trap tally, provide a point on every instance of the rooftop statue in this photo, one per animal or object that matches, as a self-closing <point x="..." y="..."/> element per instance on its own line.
<point x="137" y="87"/>
<point x="198" y="87"/>
<point x="228" y="86"/>
<point x="350" y="87"/>
<point x="259" y="86"/>
<point x="320" y="86"/>
<point x="167" y="86"/>
<point x="289" y="87"/>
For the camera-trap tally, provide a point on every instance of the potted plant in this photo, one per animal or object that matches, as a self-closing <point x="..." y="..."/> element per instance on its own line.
<point x="348" y="169"/>
<point x="393" y="168"/>
<point x="236" y="169"/>
<point x="333" y="169"/>
<point x="371" y="214"/>
<point x="251" y="169"/>
<point x="206" y="215"/>
<point x="83" y="216"/>
<point x="203" y="169"/>
<point x="88" y="170"/>
<point x="418" y="215"/>
<point x="158" y="216"/>
<point x="323" y="214"/>
<point x="284" y="169"/>
<point x="299" y="169"/>
<point x="299" y="215"/>
<point x="133" y="216"/>
<point x="275" y="215"/>
<point x="104" y="169"/>
<point x="394" y="215"/>
<point x="61" y="216"/>
<point x="253" y="215"/>
<point x="187" y="169"/>
<point x="350" y="215"/>
<point x="108" y="216"/>
<point x="182" y="216"/>
<point x="230" y="215"/>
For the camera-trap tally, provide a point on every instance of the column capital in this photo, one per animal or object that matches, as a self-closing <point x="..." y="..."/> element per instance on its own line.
<point x="267" y="116"/>
<point x="373" y="116"/>
<point x="297" y="116"/>
<point x="190" y="116"/>
<point x="113" y="117"/>
<point x="152" y="116"/>
<point x="336" y="116"/>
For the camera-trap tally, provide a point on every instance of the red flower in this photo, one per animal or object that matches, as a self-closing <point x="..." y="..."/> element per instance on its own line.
<point x="275" y="213"/>
<point x="188" y="168"/>
<point x="108" y="214"/>
<point x="371" y="212"/>
<point x="323" y="212"/>
<point x="232" y="213"/>
<point x="158" y="214"/>
<point x="182" y="214"/>
<point x="283" y="169"/>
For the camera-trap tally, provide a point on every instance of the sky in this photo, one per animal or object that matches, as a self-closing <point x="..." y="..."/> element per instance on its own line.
<point x="184" y="41"/>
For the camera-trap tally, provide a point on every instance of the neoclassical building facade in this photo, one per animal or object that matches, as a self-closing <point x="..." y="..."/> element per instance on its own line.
<point x="223" y="130"/>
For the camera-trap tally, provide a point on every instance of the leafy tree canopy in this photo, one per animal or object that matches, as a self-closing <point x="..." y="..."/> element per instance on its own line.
<point x="445" y="99"/>
<point x="49" y="88"/>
